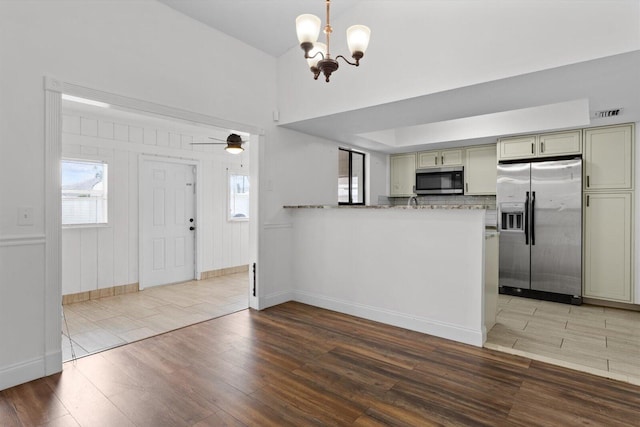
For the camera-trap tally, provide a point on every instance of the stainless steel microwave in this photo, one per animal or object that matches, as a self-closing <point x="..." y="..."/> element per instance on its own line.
<point x="448" y="180"/>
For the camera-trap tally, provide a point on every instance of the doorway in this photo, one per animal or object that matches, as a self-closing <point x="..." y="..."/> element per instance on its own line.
<point x="173" y="151"/>
<point x="167" y="222"/>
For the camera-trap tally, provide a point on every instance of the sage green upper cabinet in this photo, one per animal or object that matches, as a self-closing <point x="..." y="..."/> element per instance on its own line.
<point x="545" y="145"/>
<point x="480" y="171"/>
<point x="429" y="159"/>
<point x="608" y="157"/>
<point x="559" y="144"/>
<point x="518" y="147"/>
<point x="402" y="168"/>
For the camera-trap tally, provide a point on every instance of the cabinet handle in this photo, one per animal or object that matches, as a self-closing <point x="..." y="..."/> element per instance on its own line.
<point x="532" y="148"/>
<point x="436" y="160"/>
<point x="587" y="181"/>
<point x="542" y="147"/>
<point x="587" y="200"/>
<point x="442" y="160"/>
<point x="467" y="187"/>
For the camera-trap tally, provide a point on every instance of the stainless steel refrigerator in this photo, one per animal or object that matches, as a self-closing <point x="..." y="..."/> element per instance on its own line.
<point x="540" y="223"/>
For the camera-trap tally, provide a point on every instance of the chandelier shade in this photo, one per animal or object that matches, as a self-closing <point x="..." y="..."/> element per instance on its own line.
<point x="358" y="38"/>
<point x="308" y="28"/>
<point x="317" y="52"/>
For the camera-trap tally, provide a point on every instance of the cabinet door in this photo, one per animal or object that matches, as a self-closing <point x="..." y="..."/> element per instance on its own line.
<point x="608" y="246"/>
<point x="608" y="158"/>
<point x="521" y="147"/>
<point x="428" y="159"/>
<point x="558" y="144"/>
<point x="403" y="174"/>
<point x="480" y="172"/>
<point x="451" y="157"/>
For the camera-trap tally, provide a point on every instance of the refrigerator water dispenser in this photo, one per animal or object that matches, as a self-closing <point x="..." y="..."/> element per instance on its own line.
<point x="512" y="217"/>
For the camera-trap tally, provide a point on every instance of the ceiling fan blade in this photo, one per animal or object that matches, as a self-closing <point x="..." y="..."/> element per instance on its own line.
<point x="223" y="141"/>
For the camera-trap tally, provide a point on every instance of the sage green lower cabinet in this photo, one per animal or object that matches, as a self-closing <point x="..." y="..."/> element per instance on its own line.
<point x="608" y="246"/>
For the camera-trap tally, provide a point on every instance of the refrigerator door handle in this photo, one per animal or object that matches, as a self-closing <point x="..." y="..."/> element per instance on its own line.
<point x="526" y="219"/>
<point x="533" y="218"/>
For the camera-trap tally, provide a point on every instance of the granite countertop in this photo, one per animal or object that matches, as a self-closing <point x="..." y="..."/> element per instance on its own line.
<point x="400" y="207"/>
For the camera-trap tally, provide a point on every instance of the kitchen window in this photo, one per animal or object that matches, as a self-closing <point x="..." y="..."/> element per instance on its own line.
<point x="350" y="177"/>
<point x="238" y="197"/>
<point x="84" y="192"/>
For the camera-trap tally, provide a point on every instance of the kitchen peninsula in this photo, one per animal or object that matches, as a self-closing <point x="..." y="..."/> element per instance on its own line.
<point x="417" y="267"/>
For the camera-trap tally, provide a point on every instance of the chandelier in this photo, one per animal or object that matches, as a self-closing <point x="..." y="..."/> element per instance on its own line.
<point x="318" y="54"/>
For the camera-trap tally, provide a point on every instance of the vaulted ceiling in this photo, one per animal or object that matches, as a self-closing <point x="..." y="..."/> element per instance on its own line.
<point x="552" y="99"/>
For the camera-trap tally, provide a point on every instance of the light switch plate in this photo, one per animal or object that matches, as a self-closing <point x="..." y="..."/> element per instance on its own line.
<point x="25" y="216"/>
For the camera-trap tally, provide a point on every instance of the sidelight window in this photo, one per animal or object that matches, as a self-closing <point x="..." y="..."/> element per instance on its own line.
<point x="238" y="197"/>
<point x="84" y="192"/>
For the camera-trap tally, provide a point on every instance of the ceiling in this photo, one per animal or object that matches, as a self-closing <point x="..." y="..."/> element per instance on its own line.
<point x="268" y="25"/>
<point x="554" y="99"/>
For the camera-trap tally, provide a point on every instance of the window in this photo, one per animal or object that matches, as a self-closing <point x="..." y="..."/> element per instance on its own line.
<point x="238" y="197"/>
<point x="350" y="177"/>
<point x="84" y="192"/>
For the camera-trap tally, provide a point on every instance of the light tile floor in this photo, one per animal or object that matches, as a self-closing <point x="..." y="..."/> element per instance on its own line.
<point x="601" y="340"/>
<point x="109" y="322"/>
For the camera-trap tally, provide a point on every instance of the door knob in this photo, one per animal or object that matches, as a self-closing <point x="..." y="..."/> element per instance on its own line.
<point x="192" y="228"/>
<point x="190" y="219"/>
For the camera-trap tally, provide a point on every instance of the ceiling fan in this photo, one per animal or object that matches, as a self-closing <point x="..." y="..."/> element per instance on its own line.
<point x="233" y="143"/>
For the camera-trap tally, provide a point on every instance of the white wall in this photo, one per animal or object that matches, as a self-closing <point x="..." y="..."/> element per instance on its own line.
<point x="300" y="169"/>
<point x="102" y="257"/>
<point x="418" y="269"/>
<point x="432" y="46"/>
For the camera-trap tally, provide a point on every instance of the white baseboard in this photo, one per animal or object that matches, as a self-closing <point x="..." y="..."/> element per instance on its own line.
<point x="394" y="318"/>
<point x="275" y="299"/>
<point x="53" y="363"/>
<point x="30" y="370"/>
<point x="22" y="372"/>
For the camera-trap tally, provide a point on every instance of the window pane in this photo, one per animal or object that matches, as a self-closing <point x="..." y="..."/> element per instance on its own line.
<point x="84" y="192"/>
<point x="238" y="197"/>
<point x="343" y="176"/>
<point x="357" y="177"/>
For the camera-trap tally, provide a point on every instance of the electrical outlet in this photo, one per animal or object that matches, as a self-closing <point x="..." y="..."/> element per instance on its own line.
<point x="25" y="216"/>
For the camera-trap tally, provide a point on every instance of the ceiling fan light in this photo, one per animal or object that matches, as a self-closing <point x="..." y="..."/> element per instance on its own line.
<point x="234" y="149"/>
<point x="234" y="144"/>
<point x="317" y="47"/>
<point x="358" y="38"/>
<point x="308" y="28"/>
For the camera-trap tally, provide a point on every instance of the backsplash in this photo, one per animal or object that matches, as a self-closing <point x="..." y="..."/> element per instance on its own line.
<point x="489" y="201"/>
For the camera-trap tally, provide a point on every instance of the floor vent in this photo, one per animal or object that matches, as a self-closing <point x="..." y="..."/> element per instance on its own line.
<point x="608" y="113"/>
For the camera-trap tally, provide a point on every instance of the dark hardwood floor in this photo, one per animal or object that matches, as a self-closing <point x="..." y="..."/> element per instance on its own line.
<point x="298" y="365"/>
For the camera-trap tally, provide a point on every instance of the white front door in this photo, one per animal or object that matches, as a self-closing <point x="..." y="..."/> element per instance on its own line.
<point x="167" y="193"/>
